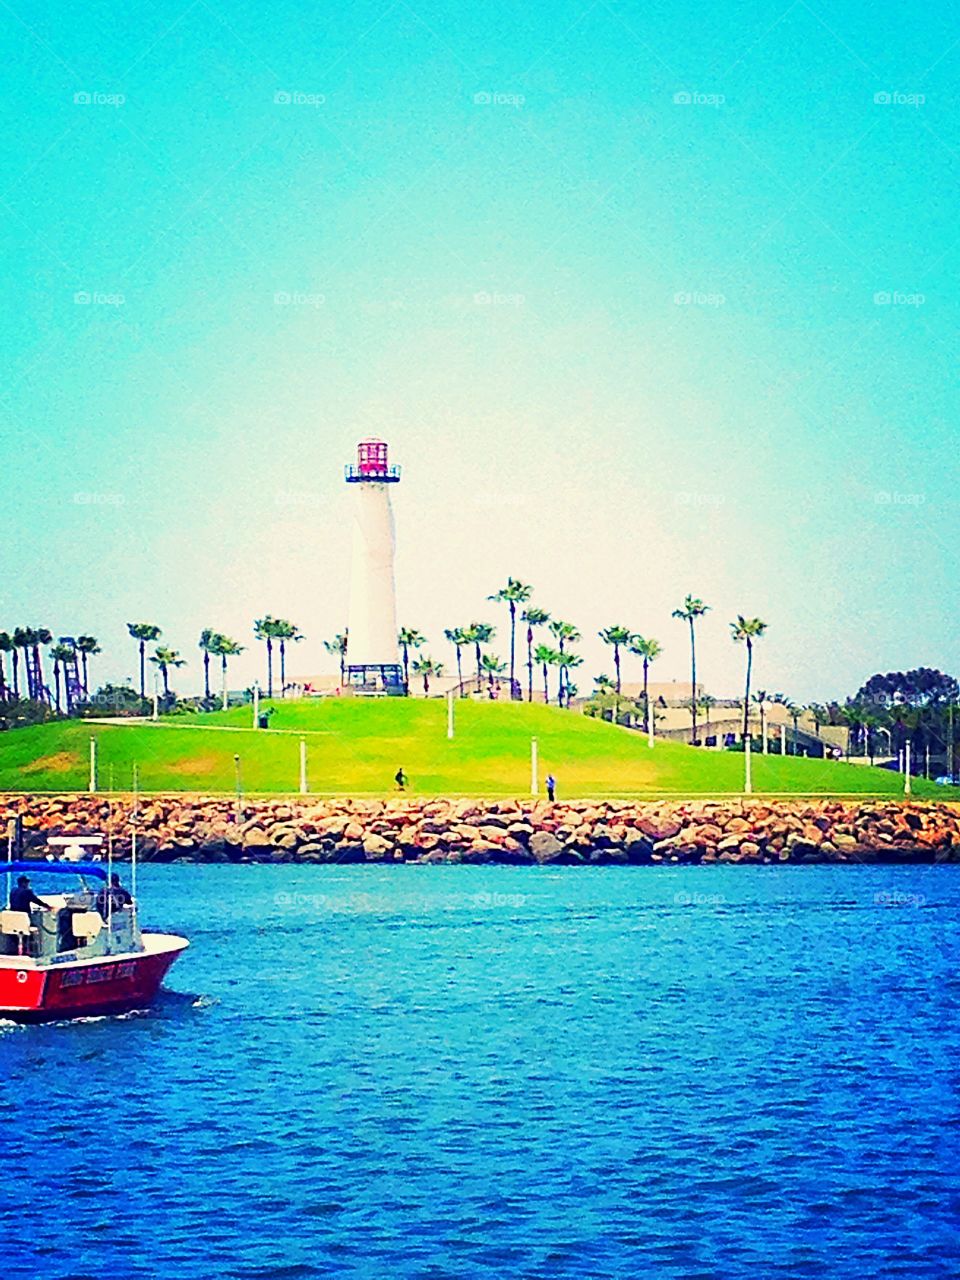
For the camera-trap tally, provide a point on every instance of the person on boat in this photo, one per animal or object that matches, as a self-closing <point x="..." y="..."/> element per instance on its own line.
<point x="114" y="898"/>
<point x="22" y="898"/>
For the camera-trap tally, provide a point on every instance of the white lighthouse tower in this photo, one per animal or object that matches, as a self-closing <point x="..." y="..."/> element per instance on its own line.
<point x="373" y="659"/>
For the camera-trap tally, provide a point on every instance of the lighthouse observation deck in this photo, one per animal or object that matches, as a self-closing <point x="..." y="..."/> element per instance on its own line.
<point x="371" y="465"/>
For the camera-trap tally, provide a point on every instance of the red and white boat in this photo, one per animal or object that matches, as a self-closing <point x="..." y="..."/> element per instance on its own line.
<point x="85" y="955"/>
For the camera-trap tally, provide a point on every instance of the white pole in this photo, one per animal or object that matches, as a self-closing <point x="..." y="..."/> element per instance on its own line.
<point x="303" y="766"/>
<point x="747" y="761"/>
<point x="256" y="704"/>
<point x="534" y="772"/>
<point x="783" y="739"/>
<point x="93" y="764"/>
<point x="450" y="714"/>
<point x="906" y="769"/>
<point x="763" y="730"/>
<point x="926" y="767"/>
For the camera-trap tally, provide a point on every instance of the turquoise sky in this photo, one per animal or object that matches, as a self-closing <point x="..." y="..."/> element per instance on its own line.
<point x="647" y="299"/>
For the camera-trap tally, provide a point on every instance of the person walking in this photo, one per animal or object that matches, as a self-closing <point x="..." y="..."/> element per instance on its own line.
<point x="400" y="778"/>
<point x="551" y="787"/>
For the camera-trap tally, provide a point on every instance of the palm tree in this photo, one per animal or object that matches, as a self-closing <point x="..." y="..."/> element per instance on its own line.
<point x="604" y="685"/>
<point x="793" y="711"/>
<point x="60" y="653"/>
<point x="266" y="629"/>
<point x="479" y="633"/>
<point x="707" y="702"/>
<point x="760" y="698"/>
<point x="649" y="651"/>
<point x="427" y="669"/>
<point x="164" y="659"/>
<point x="21" y="640"/>
<point x="143" y="632"/>
<point x="533" y="617"/>
<point x="87" y="647"/>
<point x="819" y="714"/>
<point x="618" y="637"/>
<point x="492" y="667"/>
<point x="285" y="631"/>
<point x="338" y="646"/>
<point x="409" y="639"/>
<point x="207" y="637"/>
<point x="514" y="593"/>
<point x="564" y="633"/>
<point x="565" y="663"/>
<point x="6" y="646"/>
<point x="692" y="609"/>
<point x="545" y="657"/>
<point x="458" y="638"/>
<point x="223" y="647"/>
<point x="746" y="631"/>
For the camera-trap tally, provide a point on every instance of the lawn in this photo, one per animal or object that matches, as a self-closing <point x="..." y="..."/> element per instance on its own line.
<point x="356" y="747"/>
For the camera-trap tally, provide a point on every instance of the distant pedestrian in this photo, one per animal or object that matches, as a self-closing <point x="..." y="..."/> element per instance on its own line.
<point x="400" y="778"/>
<point x="551" y="787"/>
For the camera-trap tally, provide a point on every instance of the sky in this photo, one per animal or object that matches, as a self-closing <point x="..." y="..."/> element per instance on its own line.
<point x="647" y="300"/>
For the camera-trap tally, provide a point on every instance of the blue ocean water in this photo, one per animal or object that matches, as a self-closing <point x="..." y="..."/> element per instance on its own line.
<point x="488" y="1071"/>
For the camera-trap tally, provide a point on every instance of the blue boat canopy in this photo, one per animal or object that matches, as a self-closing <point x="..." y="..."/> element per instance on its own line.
<point x="55" y="868"/>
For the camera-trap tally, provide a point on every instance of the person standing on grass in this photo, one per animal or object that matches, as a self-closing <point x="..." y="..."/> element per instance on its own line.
<point x="551" y="787"/>
<point x="400" y="778"/>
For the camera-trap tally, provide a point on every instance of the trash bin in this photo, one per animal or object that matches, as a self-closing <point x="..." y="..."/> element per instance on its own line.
<point x="264" y="722"/>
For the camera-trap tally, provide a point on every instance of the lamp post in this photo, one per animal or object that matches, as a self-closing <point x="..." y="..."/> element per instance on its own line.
<point x="93" y="764"/>
<point x="256" y="704"/>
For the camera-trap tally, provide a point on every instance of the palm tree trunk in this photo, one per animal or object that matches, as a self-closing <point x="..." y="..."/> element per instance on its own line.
<point x="479" y="671"/>
<point x="529" y="664"/>
<point x="746" y="697"/>
<point x="513" y="644"/>
<point x="616" y="663"/>
<point x="166" y="679"/>
<point x="56" y="683"/>
<point x="143" y="670"/>
<point x="38" y="661"/>
<point x="269" y="667"/>
<point x="283" y="669"/>
<point x="223" y="681"/>
<point x="206" y="675"/>
<point x="343" y="669"/>
<point x="406" y="670"/>
<point x="3" y="679"/>
<point x="646" y="696"/>
<point x="16" y="674"/>
<point x="546" y="686"/>
<point x="459" y="672"/>
<point x="86" y="683"/>
<point x="693" y="685"/>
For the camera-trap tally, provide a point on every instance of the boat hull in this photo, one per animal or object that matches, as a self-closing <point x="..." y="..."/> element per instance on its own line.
<point x="31" y="992"/>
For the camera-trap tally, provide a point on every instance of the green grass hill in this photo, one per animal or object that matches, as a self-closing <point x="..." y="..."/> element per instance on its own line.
<point x="355" y="747"/>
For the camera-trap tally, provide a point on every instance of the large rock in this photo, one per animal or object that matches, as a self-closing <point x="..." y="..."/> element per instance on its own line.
<point x="545" y="847"/>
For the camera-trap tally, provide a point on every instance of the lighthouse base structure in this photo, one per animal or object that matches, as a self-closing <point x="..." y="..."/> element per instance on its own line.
<point x="384" y="677"/>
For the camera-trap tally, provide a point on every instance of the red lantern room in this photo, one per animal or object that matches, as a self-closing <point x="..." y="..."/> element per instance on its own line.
<point x="372" y="464"/>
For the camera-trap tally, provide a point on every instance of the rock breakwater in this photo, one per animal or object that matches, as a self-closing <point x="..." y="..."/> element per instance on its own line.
<point x="406" y="829"/>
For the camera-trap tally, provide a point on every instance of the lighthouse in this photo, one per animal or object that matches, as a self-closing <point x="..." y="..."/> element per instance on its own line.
<point x="373" y="660"/>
